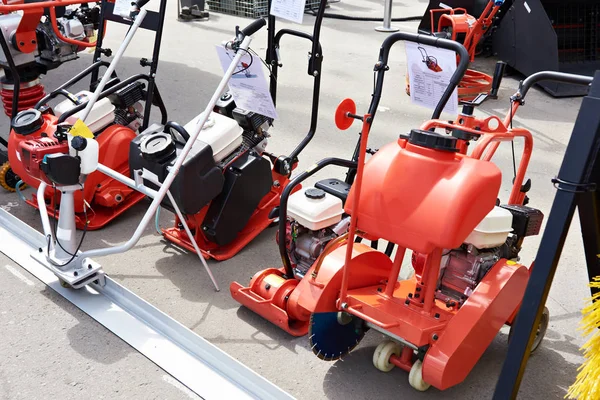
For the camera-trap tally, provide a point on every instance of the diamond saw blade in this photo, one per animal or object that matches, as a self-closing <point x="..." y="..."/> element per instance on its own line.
<point x="331" y="337"/>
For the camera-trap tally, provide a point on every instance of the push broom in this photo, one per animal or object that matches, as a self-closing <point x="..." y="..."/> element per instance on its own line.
<point x="587" y="384"/>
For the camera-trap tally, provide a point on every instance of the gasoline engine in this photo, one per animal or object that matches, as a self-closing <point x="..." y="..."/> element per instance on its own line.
<point x="223" y="179"/>
<point x="76" y="25"/>
<point x="315" y="218"/>
<point x="500" y="235"/>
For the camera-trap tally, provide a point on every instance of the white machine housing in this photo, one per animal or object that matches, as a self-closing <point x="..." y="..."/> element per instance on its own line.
<point x="8" y="25"/>
<point x="493" y="230"/>
<point x="102" y="114"/>
<point x="223" y="134"/>
<point x="315" y="214"/>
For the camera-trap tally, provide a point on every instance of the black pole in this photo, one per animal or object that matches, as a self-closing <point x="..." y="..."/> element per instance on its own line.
<point x="574" y="181"/>
<point x="154" y="64"/>
<point x="104" y="8"/>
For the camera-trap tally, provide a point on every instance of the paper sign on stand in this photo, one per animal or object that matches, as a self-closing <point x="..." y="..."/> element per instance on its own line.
<point x="429" y="70"/>
<point x="122" y="8"/>
<point x="292" y="10"/>
<point x="248" y="85"/>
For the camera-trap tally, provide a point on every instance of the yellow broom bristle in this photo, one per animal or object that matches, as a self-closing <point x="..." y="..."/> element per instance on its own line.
<point x="587" y="384"/>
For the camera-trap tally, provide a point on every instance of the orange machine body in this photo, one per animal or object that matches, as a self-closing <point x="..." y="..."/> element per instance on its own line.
<point x="425" y="200"/>
<point x="106" y="197"/>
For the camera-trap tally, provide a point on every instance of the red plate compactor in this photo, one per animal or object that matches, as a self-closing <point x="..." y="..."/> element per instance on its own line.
<point x="122" y="110"/>
<point x="456" y="24"/>
<point x="422" y="193"/>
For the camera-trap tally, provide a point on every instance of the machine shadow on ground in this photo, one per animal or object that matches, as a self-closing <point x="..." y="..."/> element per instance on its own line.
<point x="479" y="384"/>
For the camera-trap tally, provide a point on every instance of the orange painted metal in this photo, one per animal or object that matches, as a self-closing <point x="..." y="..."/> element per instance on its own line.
<point x="107" y="198"/>
<point x="425" y="200"/>
<point x="493" y="131"/>
<point x="424" y="181"/>
<point x="472" y="329"/>
<point x="268" y="296"/>
<point x="25" y="35"/>
<point x="405" y="360"/>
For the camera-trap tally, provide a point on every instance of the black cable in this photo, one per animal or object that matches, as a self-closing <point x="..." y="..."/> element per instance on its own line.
<point x="264" y="62"/>
<point x="313" y="12"/>
<point x="56" y="237"/>
<point x="248" y="66"/>
<point x="512" y="142"/>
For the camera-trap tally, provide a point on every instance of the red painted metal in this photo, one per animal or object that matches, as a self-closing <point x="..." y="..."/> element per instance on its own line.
<point x="29" y="94"/>
<point x="473" y="328"/>
<point x="342" y="120"/>
<point x="107" y="198"/>
<point x="405" y="360"/>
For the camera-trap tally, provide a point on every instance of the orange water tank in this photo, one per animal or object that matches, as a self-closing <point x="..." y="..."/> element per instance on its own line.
<point x="420" y="193"/>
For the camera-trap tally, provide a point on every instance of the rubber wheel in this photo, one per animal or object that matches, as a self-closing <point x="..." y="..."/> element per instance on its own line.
<point x="540" y="333"/>
<point x="382" y="354"/>
<point x="65" y="284"/>
<point x="8" y="179"/>
<point x="415" y="377"/>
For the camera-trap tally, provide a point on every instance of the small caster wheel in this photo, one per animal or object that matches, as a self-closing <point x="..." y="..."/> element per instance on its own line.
<point x="8" y="178"/>
<point x="273" y="223"/>
<point x="540" y="333"/>
<point x="415" y="377"/>
<point x="65" y="284"/>
<point x="382" y="354"/>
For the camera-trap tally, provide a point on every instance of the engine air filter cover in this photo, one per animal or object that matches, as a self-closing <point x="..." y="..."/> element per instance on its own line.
<point x="157" y="146"/>
<point x="27" y="122"/>
<point x="432" y="140"/>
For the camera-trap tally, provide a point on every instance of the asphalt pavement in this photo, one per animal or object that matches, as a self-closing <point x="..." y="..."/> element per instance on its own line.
<point x="51" y="350"/>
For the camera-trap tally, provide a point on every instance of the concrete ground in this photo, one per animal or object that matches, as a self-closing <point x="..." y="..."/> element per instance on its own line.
<point x="50" y="349"/>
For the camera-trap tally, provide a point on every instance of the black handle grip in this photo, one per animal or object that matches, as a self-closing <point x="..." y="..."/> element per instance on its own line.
<point x="498" y="75"/>
<point x="171" y="125"/>
<point x="254" y="27"/>
<point x="552" y="76"/>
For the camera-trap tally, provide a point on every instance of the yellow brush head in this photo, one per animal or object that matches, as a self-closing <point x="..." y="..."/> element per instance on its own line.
<point x="587" y="385"/>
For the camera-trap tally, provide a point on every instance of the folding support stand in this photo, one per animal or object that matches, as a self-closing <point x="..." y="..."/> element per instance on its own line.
<point x="576" y="185"/>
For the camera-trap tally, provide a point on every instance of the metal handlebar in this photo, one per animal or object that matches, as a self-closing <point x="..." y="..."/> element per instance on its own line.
<point x="254" y="27"/>
<point x="384" y="53"/>
<point x="551" y="76"/>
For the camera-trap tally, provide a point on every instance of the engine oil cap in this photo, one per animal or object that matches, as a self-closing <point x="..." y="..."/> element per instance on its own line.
<point x="432" y="140"/>
<point x="314" y="193"/>
<point x="157" y="146"/>
<point x="27" y="122"/>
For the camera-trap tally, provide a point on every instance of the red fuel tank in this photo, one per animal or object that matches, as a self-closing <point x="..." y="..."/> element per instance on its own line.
<point x="423" y="198"/>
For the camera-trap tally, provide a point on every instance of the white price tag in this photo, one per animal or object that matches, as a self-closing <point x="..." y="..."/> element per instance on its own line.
<point x="292" y="10"/>
<point x="122" y="8"/>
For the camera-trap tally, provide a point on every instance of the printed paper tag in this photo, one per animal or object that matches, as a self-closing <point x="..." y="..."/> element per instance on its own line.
<point x="429" y="70"/>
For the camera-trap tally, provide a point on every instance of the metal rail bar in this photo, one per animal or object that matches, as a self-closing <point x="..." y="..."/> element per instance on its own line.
<point x="189" y="358"/>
